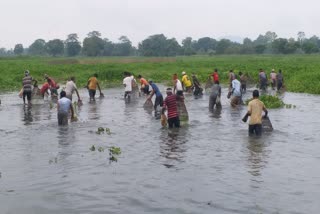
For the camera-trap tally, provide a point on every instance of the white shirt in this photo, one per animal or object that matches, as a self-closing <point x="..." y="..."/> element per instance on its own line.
<point x="236" y="86"/>
<point x="70" y="88"/>
<point x="128" y="83"/>
<point x="179" y="86"/>
<point x="64" y="104"/>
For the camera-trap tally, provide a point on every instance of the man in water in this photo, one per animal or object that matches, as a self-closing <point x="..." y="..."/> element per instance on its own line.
<point x="231" y="77"/>
<point x="144" y="85"/>
<point x="53" y="86"/>
<point x="197" y="86"/>
<point x="243" y="81"/>
<point x="64" y="106"/>
<point x="27" y="87"/>
<point x="235" y="92"/>
<point x="279" y="80"/>
<point x="273" y="77"/>
<point x="255" y="108"/>
<point x="186" y="82"/>
<point x="127" y="83"/>
<point x="263" y="80"/>
<point x="159" y="98"/>
<point x="70" y="88"/>
<point x="170" y="104"/>
<point x="215" y="93"/>
<point x="215" y="75"/>
<point x="177" y="85"/>
<point x="92" y="87"/>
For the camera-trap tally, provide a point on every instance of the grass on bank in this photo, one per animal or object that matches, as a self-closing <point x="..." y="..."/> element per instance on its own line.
<point x="301" y="72"/>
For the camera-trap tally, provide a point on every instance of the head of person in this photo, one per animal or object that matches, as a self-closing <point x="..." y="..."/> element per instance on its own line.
<point x="280" y="71"/>
<point x="240" y="73"/>
<point x="139" y="76"/>
<point x="255" y="94"/>
<point x="272" y="70"/>
<point x="260" y="70"/>
<point x="46" y="77"/>
<point x="175" y="76"/>
<point x="26" y="73"/>
<point x="73" y="79"/>
<point x="95" y="75"/>
<point x="183" y="73"/>
<point x="169" y="91"/>
<point x="62" y="94"/>
<point x="150" y="81"/>
<point x="193" y="74"/>
<point x="215" y="70"/>
<point x="216" y="82"/>
<point x="231" y="71"/>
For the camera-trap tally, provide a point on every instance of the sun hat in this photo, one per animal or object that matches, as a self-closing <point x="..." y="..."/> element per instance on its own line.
<point x="183" y="72"/>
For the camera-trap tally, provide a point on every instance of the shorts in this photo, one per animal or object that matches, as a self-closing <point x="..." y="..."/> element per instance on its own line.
<point x="235" y="101"/>
<point x="146" y="89"/>
<point x="180" y="93"/>
<point x="255" y="129"/>
<point x="158" y="101"/>
<point x="92" y="93"/>
<point x="174" y="121"/>
<point x="62" y="118"/>
<point x="27" y="94"/>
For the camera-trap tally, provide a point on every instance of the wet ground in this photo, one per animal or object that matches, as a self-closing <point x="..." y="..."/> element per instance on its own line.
<point x="208" y="166"/>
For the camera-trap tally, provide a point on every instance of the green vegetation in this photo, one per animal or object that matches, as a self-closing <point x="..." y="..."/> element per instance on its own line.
<point x="301" y="72"/>
<point x="270" y="101"/>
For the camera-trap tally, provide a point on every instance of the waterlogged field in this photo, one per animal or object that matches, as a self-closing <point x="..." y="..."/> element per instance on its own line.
<point x="301" y="72"/>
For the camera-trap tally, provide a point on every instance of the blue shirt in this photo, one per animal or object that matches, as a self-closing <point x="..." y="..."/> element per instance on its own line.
<point x="64" y="104"/>
<point x="156" y="89"/>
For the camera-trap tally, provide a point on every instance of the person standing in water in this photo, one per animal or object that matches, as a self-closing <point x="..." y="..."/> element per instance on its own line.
<point x="170" y="104"/>
<point x="92" y="87"/>
<point x="27" y="87"/>
<point x="70" y="88"/>
<point x="235" y="92"/>
<point x="273" y="77"/>
<point x="197" y="86"/>
<point x="279" y="80"/>
<point x="263" y="80"/>
<point x="255" y="108"/>
<point x="159" y="99"/>
<point x="127" y="83"/>
<point x="177" y="85"/>
<point x="53" y="86"/>
<point x="214" y="95"/>
<point x="64" y="106"/>
<point x="243" y="81"/>
<point x="186" y="82"/>
<point x="144" y="85"/>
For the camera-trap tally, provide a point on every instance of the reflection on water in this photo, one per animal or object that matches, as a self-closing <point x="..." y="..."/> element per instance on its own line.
<point x="27" y="115"/>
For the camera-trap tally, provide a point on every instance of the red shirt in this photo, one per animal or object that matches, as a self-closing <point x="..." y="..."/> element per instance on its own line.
<point x="52" y="83"/>
<point x="170" y="102"/>
<point x="44" y="88"/>
<point x="215" y="76"/>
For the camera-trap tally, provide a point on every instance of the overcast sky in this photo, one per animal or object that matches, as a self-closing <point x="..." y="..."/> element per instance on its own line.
<point x="23" y="21"/>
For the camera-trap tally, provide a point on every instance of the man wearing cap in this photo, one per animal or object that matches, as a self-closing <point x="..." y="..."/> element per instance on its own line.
<point x="159" y="98"/>
<point x="27" y="87"/>
<point x="186" y="82"/>
<point x="170" y="104"/>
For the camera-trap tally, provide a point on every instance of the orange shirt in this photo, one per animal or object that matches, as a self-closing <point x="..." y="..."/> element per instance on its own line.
<point x="143" y="81"/>
<point x="93" y="83"/>
<point x="255" y="107"/>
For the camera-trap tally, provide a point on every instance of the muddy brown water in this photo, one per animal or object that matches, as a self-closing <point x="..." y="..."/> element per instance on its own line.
<point x="207" y="166"/>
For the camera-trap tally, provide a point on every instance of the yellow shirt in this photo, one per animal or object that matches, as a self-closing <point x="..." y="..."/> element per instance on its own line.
<point x="186" y="81"/>
<point x="255" y="107"/>
<point x="93" y="83"/>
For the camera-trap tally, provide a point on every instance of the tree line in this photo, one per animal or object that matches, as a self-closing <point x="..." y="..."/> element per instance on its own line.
<point x="159" y="45"/>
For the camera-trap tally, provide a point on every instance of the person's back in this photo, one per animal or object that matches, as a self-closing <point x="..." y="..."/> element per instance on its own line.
<point x="171" y="103"/>
<point x="27" y="83"/>
<point x="70" y="88"/>
<point x="64" y="105"/>
<point x="186" y="81"/>
<point x="215" y="90"/>
<point x="127" y="81"/>
<point x="255" y="107"/>
<point x="279" y="77"/>
<point x="236" y="88"/>
<point x="156" y="90"/>
<point x="93" y="81"/>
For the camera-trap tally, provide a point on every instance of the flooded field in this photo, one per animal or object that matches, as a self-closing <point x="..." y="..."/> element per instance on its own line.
<point x="208" y="166"/>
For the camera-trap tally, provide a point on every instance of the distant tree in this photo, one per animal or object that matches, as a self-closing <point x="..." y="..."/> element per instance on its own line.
<point x="301" y="37"/>
<point x="259" y="49"/>
<point x="222" y="46"/>
<point x="108" y="47"/>
<point x="72" y="45"/>
<point x="3" y="52"/>
<point x="18" y="49"/>
<point x="154" y="45"/>
<point x="123" y="48"/>
<point x="247" y="47"/>
<point x="270" y="36"/>
<point x="205" y="44"/>
<point x="38" y="47"/>
<point x="55" y="47"/>
<point x="93" y="45"/>
<point x="188" y="46"/>
<point x="172" y="47"/>
<point x="284" y="46"/>
<point x="310" y="47"/>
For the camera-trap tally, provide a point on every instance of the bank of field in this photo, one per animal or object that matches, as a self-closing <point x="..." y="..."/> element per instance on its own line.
<point x="301" y="72"/>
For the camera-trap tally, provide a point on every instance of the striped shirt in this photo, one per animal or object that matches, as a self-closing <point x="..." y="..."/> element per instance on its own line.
<point x="27" y="83"/>
<point x="170" y="103"/>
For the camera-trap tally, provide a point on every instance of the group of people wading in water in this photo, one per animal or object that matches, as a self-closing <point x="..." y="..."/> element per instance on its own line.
<point x="173" y="103"/>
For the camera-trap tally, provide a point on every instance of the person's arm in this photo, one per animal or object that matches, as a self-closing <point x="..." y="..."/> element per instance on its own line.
<point x="87" y="86"/>
<point x="164" y="107"/>
<point x="99" y="88"/>
<point x="78" y="94"/>
<point x="265" y="112"/>
<point x="72" y="111"/>
<point x="219" y="91"/>
<point x="151" y="95"/>
<point x="245" y="118"/>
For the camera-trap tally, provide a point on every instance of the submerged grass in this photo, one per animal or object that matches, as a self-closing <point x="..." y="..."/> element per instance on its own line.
<point x="270" y="101"/>
<point x="301" y="72"/>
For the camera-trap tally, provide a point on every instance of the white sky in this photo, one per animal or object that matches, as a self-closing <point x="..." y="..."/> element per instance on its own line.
<point x="23" y="21"/>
